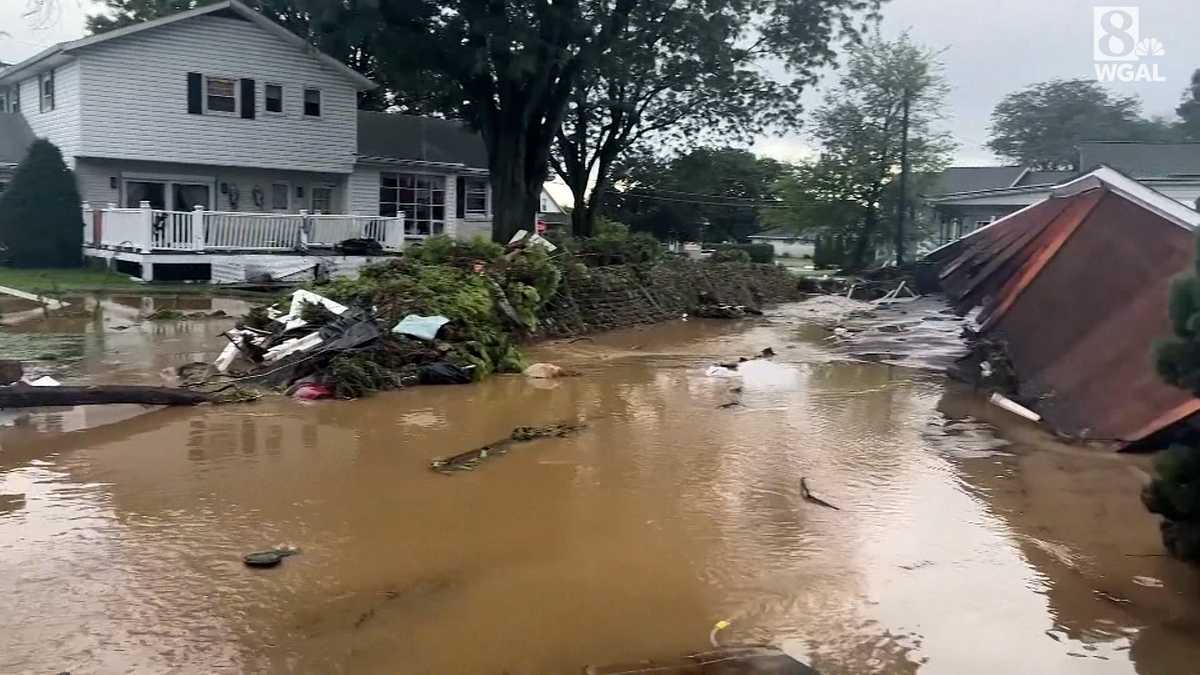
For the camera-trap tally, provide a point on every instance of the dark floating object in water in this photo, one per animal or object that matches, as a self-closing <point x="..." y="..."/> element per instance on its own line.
<point x="465" y="461"/>
<point x="768" y="352"/>
<point x="810" y="497"/>
<point x="730" y="404"/>
<point x="269" y="558"/>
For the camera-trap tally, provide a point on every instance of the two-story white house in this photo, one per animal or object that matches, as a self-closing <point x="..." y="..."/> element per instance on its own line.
<point x="216" y="133"/>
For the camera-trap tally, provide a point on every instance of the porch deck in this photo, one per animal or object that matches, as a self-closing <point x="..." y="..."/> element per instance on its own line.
<point x="147" y="230"/>
<point x="235" y="247"/>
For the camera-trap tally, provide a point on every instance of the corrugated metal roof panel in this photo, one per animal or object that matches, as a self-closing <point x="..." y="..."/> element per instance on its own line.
<point x="1077" y="286"/>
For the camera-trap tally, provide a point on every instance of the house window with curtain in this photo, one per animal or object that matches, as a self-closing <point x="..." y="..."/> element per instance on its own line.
<point x="421" y="197"/>
<point x="475" y="197"/>
<point x="46" y="91"/>
<point x="220" y="94"/>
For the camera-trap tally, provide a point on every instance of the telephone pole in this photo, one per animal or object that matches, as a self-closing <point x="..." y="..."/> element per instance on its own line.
<point x="902" y="202"/>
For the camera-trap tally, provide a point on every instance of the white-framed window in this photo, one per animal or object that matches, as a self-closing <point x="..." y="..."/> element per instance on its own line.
<point x="4" y="101"/>
<point x="14" y="98"/>
<point x="273" y="98"/>
<point x="421" y="197"/>
<point x="280" y="192"/>
<point x="46" y="91"/>
<point x="322" y="199"/>
<point x="475" y="196"/>
<point x="312" y="102"/>
<point x="220" y="95"/>
<point x="982" y="223"/>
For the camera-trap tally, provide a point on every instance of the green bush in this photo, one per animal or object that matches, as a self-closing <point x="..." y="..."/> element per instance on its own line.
<point x="1174" y="493"/>
<point x="759" y="253"/>
<point x="441" y="249"/>
<point x="40" y="220"/>
<point x="614" y="244"/>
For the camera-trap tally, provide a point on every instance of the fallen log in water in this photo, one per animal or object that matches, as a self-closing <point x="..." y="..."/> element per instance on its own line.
<point x="29" y="397"/>
<point x="465" y="461"/>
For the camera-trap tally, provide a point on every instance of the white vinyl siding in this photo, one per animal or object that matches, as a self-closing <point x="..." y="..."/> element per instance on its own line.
<point x="362" y="191"/>
<point x="96" y="178"/>
<point x="60" y="126"/>
<point x="136" y="107"/>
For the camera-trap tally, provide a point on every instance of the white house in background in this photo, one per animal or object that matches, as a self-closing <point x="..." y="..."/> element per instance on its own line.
<point x="962" y="199"/>
<point x="786" y="244"/>
<point x="214" y="141"/>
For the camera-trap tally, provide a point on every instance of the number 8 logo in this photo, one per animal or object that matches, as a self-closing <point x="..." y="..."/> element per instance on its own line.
<point x="1115" y="33"/>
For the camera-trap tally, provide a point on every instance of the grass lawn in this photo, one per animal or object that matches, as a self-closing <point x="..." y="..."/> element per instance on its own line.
<point x="81" y="279"/>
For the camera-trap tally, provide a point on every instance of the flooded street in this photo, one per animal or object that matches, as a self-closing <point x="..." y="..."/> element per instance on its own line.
<point x="965" y="541"/>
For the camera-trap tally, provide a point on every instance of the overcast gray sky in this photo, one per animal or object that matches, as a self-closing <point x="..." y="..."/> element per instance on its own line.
<point x="992" y="47"/>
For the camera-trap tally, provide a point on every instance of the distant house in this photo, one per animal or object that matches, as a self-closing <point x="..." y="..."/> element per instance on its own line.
<point x="219" y="110"/>
<point x="787" y="244"/>
<point x="963" y="199"/>
<point x="551" y="212"/>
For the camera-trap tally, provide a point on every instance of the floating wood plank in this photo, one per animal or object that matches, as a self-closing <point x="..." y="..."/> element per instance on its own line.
<point x="30" y="397"/>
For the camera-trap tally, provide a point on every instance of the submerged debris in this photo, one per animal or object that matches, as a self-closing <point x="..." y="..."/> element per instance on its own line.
<point x="269" y="558"/>
<point x="465" y="461"/>
<point x="813" y="499"/>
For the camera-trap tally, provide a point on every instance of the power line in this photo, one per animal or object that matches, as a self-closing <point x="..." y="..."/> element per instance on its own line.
<point x="746" y="205"/>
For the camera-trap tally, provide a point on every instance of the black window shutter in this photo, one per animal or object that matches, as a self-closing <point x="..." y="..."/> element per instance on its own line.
<point x="248" y="99"/>
<point x="195" y="105"/>
<point x="460" y="196"/>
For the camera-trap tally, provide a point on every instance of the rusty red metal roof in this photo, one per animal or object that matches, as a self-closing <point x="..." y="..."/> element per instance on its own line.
<point x="1076" y="287"/>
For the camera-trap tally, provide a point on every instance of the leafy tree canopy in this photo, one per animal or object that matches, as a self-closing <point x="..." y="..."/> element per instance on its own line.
<point x="851" y="190"/>
<point x="1189" y="109"/>
<point x="1041" y="126"/>
<point x="714" y="189"/>
<point x="693" y="73"/>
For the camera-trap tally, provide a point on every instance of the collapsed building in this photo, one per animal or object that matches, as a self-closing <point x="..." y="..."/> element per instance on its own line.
<point x="1074" y="290"/>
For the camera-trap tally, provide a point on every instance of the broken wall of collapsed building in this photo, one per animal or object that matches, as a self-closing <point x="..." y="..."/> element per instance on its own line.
<point x="617" y="296"/>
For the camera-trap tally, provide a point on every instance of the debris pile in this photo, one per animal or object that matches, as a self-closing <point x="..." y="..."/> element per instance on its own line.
<point x="446" y="312"/>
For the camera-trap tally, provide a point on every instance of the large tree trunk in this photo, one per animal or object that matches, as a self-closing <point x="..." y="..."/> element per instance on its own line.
<point x="581" y="222"/>
<point x="858" y="256"/>
<point x="518" y="170"/>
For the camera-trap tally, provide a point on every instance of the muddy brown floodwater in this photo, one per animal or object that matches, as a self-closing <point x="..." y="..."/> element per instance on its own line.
<point x="965" y="543"/>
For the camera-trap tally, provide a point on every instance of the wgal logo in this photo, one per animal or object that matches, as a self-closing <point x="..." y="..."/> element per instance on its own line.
<point x="1120" y="53"/>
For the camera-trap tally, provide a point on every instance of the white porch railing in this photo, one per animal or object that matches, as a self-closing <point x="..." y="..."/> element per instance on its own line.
<point x="147" y="230"/>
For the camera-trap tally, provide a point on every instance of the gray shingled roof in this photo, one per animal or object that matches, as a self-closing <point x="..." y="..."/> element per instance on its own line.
<point x="973" y="179"/>
<point x="1142" y="160"/>
<point x="426" y="139"/>
<point x="1045" y="178"/>
<point x="15" y="138"/>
